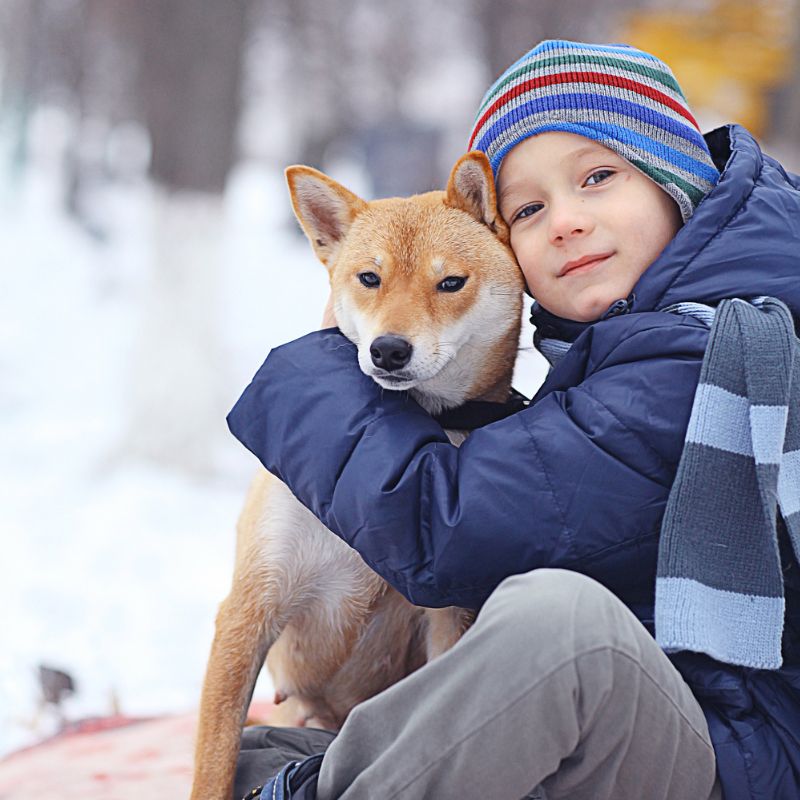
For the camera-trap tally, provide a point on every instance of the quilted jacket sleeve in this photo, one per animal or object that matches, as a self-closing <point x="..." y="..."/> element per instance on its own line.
<point x="577" y="480"/>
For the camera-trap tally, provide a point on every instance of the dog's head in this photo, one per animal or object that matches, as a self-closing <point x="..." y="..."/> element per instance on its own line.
<point x="427" y="286"/>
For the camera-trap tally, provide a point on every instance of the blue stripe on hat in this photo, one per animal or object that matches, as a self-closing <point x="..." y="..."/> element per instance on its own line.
<point x="604" y="134"/>
<point x="616" y="105"/>
<point x="558" y="44"/>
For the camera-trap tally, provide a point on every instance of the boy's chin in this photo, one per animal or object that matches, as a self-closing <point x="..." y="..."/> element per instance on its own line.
<point x="582" y="313"/>
<point x="594" y="308"/>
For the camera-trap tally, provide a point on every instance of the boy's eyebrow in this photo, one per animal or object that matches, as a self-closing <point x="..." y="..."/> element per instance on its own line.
<point x="504" y="192"/>
<point x="593" y="148"/>
<point x="589" y="149"/>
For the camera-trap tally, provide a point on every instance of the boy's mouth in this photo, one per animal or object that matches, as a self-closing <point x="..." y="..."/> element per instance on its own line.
<point x="583" y="264"/>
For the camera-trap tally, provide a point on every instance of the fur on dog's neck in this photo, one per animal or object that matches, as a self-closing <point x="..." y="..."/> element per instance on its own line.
<point x="493" y="385"/>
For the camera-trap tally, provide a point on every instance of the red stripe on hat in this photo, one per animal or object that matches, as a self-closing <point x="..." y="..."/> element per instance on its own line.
<point x="583" y="77"/>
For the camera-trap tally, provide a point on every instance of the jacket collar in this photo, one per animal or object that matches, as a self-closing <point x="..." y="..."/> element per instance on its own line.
<point x="549" y="326"/>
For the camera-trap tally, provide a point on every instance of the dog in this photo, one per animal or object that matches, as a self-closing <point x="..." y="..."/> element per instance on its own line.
<point x="429" y="291"/>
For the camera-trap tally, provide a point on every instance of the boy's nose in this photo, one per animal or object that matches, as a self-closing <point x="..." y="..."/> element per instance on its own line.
<point x="569" y="222"/>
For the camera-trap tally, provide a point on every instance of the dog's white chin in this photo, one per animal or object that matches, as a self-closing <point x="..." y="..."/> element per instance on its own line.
<point x="395" y="386"/>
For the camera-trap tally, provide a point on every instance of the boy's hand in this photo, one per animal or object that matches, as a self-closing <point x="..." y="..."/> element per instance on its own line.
<point x="328" y="317"/>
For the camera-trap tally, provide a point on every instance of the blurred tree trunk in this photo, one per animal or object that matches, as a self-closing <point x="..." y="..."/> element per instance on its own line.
<point x="190" y="55"/>
<point x="512" y="27"/>
<point x="191" y="67"/>
<point x="22" y="28"/>
<point x="349" y="66"/>
<point x="320" y="72"/>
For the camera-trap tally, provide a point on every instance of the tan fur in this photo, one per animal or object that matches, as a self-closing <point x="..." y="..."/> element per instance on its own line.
<point x="333" y="632"/>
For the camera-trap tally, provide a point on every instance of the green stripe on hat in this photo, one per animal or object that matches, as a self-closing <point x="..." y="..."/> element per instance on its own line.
<point x="663" y="176"/>
<point x="664" y="78"/>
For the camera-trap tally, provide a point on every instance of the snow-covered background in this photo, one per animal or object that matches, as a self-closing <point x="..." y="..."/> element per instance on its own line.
<point x="132" y="316"/>
<point x="112" y="566"/>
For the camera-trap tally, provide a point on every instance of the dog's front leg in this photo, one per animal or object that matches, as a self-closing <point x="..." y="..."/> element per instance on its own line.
<point x="244" y="633"/>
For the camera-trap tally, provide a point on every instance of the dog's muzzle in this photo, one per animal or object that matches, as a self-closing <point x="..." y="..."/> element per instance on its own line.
<point x="390" y="353"/>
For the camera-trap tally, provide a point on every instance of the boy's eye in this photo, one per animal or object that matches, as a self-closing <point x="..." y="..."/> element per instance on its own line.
<point x="369" y="279"/>
<point x="599" y="176"/>
<point x="451" y="284"/>
<point x="527" y="211"/>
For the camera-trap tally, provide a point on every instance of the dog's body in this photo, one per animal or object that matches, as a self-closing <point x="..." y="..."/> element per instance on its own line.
<point x="429" y="291"/>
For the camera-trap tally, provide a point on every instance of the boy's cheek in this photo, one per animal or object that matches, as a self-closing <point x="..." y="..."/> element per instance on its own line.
<point x="531" y="281"/>
<point x="530" y="263"/>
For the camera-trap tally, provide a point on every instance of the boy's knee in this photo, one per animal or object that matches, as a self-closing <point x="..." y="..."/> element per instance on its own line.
<point x="548" y="586"/>
<point x="551" y="603"/>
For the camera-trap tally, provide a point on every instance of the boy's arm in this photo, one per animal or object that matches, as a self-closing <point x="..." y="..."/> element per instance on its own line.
<point x="563" y="483"/>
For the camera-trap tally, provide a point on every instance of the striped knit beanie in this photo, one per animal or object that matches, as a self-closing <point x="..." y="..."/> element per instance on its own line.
<point x="624" y="98"/>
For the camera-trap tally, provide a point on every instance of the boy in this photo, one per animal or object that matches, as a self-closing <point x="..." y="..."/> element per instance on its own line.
<point x="549" y="521"/>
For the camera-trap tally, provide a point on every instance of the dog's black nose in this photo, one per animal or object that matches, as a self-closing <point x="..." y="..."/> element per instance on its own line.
<point x="390" y="352"/>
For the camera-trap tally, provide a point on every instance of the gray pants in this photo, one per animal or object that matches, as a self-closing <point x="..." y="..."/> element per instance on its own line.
<point x="556" y="686"/>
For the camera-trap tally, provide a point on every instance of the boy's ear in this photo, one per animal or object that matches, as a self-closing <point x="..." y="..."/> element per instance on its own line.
<point x="471" y="189"/>
<point x="324" y="209"/>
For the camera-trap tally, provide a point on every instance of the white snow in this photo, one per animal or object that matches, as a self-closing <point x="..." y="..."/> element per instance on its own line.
<point x="111" y="567"/>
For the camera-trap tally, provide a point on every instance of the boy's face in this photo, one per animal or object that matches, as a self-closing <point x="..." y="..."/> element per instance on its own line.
<point x="585" y="223"/>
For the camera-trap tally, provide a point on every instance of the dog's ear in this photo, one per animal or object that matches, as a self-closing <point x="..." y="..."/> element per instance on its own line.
<point x="471" y="188"/>
<point x="324" y="209"/>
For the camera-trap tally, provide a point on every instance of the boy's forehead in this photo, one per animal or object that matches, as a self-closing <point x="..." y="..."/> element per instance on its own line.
<point x="544" y="154"/>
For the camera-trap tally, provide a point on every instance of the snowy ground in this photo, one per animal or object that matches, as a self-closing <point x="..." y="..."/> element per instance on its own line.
<point x="111" y="567"/>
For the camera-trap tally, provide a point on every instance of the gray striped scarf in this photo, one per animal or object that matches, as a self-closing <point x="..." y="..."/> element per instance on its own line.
<point x="719" y="585"/>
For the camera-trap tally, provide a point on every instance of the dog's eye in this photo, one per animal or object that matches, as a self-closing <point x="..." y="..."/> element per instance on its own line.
<point x="369" y="279"/>
<point x="451" y="284"/>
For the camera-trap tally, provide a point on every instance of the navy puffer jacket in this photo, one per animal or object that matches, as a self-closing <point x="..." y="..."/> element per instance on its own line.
<point x="577" y="480"/>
